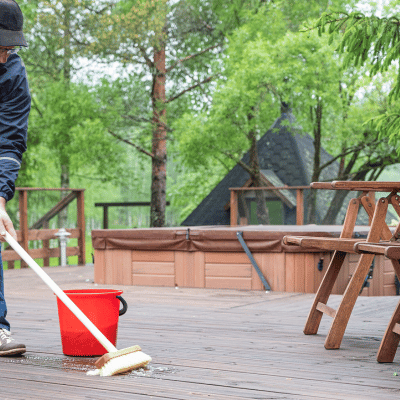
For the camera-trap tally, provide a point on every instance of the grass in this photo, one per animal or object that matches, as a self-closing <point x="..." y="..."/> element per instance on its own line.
<point x="54" y="261"/>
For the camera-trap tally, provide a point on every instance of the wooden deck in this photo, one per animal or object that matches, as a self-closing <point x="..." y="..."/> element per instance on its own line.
<point x="205" y="344"/>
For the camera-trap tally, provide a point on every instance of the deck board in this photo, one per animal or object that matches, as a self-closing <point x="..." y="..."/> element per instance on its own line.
<point x="205" y="344"/>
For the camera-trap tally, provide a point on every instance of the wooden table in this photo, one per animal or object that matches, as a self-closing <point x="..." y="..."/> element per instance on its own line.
<point x="380" y="240"/>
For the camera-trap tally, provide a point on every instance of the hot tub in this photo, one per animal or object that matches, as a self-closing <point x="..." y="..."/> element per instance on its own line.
<point x="212" y="257"/>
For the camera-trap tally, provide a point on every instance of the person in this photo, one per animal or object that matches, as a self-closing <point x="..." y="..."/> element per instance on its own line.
<point x="15" y="104"/>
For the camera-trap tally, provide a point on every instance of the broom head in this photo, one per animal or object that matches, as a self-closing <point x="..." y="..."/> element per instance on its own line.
<point x="120" y="361"/>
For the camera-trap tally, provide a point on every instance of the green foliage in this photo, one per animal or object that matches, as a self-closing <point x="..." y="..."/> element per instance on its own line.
<point x="71" y="123"/>
<point x="385" y="117"/>
<point x="195" y="187"/>
<point x="366" y="40"/>
<point x="262" y="72"/>
<point x="267" y="63"/>
<point x="251" y="46"/>
<point x="375" y="43"/>
<point x="126" y="104"/>
<point x="127" y="29"/>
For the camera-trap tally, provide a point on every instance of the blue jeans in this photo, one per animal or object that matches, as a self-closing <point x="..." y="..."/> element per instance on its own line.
<point x="3" y="307"/>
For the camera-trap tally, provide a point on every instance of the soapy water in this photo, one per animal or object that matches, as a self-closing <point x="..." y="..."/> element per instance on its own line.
<point x="150" y="371"/>
<point x="82" y="364"/>
<point x="68" y="363"/>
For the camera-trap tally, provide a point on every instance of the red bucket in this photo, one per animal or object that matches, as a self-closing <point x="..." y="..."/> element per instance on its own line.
<point x="102" y="307"/>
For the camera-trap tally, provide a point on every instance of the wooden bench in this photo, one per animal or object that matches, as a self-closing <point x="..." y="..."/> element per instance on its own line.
<point x="380" y="240"/>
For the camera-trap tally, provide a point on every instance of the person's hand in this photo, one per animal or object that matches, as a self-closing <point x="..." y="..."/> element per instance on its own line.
<point x="5" y="222"/>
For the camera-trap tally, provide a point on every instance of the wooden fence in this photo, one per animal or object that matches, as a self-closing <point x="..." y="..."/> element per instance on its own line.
<point x="40" y="229"/>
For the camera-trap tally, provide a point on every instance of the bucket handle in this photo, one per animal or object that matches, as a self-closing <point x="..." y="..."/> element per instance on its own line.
<point x="124" y="305"/>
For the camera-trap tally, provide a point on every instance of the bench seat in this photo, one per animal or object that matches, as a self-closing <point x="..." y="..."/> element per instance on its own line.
<point x="355" y="246"/>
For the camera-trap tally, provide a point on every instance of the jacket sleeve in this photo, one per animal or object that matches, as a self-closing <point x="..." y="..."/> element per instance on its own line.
<point x="15" y="104"/>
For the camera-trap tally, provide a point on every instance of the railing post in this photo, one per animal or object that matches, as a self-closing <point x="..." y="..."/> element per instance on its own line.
<point x="234" y="208"/>
<point x="105" y="217"/>
<point x="46" y="246"/>
<point x="80" y="200"/>
<point x="299" y="207"/>
<point x="23" y="222"/>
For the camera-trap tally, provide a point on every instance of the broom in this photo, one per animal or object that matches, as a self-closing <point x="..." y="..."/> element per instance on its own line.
<point x="112" y="363"/>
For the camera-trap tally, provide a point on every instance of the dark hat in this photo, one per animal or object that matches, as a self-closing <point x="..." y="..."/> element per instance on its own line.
<point x="11" y="22"/>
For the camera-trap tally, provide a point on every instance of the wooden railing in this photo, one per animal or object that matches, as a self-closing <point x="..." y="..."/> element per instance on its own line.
<point x="125" y="204"/>
<point x="40" y="229"/>
<point x="299" y="200"/>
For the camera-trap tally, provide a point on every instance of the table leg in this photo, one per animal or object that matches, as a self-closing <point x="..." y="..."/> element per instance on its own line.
<point x="328" y="281"/>
<point x="391" y="339"/>
<point x="342" y="315"/>
<point x="323" y="293"/>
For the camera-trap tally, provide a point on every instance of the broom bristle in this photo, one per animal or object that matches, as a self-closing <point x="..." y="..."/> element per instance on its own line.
<point x="120" y="361"/>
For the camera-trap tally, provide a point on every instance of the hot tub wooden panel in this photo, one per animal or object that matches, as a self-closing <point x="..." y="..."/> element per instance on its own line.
<point x="142" y="262"/>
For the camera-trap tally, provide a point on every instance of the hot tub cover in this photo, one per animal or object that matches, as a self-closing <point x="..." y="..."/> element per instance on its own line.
<point x="259" y="238"/>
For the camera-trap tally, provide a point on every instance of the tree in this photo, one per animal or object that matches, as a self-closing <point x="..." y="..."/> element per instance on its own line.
<point x="326" y="97"/>
<point x="374" y="42"/>
<point x="50" y="54"/>
<point x="77" y="112"/>
<point x="134" y="33"/>
<point x="265" y="67"/>
<point x="64" y="114"/>
<point x="137" y="33"/>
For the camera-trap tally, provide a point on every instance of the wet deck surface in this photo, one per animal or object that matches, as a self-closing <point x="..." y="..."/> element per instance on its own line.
<point x="205" y="344"/>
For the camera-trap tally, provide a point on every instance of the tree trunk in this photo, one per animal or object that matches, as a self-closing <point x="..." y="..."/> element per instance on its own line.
<point x="340" y="195"/>
<point x="63" y="215"/>
<point x="261" y="209"/>
<point x="159" y="144"/>
<point x="64" y="178"/>
<point x="334" y="207"/>
<point x="67" y="42"/>
<point x="312" y="202"/>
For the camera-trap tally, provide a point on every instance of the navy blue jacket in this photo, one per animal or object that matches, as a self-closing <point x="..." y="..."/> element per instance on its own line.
<point x="15" y="105"/>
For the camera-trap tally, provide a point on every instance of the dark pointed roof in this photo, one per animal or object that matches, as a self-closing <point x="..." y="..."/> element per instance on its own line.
<point x="286" y="151"/>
